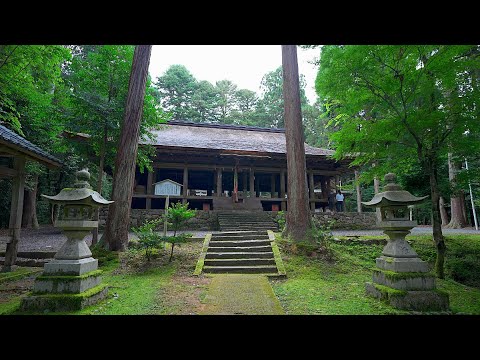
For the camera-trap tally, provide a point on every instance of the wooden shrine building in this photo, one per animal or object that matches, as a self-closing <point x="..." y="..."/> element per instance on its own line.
<point x="14" y="152"/>
<point x="230" y="167"/>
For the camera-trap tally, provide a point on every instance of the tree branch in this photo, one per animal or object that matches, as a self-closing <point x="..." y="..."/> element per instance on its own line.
<point x="8" y="56"/>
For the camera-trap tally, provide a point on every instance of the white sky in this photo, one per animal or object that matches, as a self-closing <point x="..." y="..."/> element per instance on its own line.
<point x="244" y="65"/>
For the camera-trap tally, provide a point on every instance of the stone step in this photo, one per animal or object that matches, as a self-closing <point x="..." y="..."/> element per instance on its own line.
<point x="261" y="269"/>
<point x="228" y="233"/>
<point x="239" y="262"/>
<point x="239" y="237"/>
<point x="226" y="243"/>
<point x="263" y="248"/>
<point x="265" y="228"/>
<point x="239" y="255"/>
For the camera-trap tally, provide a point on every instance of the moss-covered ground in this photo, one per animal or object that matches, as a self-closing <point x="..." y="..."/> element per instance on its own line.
<point x="315" y="284"/>
<point x="337" y="286"/>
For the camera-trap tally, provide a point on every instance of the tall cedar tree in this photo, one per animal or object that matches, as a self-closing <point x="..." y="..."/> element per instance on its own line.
<point x="116" y="230"/>
<point x="298" y="219"/>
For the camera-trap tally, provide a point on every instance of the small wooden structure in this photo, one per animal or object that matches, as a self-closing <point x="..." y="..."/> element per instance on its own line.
<point x="14" y="146"/>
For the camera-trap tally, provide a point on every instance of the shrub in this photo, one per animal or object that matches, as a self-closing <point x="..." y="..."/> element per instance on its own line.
<point x="176" y="240"/>
<point x="281" y="220"/>
<point x="148" y="239"/>
<point x="178" y="214"/>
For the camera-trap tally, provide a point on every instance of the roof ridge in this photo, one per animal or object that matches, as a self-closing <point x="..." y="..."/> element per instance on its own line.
<point x="225" y="126"/>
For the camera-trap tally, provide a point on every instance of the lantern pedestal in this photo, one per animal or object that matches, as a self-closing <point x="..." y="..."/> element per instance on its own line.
<point x="401" y="278"/>
<point x="71" y="280"/>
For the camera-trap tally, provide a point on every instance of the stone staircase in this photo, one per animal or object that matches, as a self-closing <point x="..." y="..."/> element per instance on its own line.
<point x="245" y="220"/>
<point x="245" y="252"/>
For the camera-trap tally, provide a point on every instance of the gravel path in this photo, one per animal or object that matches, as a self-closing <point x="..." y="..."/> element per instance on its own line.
<point x="48" y="238"/>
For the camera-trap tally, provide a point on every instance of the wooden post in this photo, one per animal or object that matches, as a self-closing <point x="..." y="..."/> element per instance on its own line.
<point x="150" y="188"/>
<point x="257" y="186"/>
<point x="311" y="186"/>
<point x="359" y="193"/>
<point x="252" y="183"/>
<point x="165" y="224"/>
<point x="282" y="190"/>
<point x="185" y="184"/>
<point x="272" y="184"/>
<point x="16" y="211"/>
<point x="219" y="182"/>
<point x="244" y="180"/>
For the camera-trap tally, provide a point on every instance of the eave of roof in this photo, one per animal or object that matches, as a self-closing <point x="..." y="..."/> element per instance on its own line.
<point x="19" y="144"/>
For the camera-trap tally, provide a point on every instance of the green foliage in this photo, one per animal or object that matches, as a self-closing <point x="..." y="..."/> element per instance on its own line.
<point x="178" y="214"/>
<point x="148" y="238"/>
<point x="281" y="220"/>
<point x="105" y="257"/>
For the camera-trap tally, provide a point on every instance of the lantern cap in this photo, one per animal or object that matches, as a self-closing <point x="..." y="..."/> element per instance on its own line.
<point x="393" y="195"/>
<point x="81" y="194"/>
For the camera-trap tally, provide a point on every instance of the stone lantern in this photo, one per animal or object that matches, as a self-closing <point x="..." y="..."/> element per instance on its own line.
<point x="71" y="280"/>
<point x="401" y="277"/>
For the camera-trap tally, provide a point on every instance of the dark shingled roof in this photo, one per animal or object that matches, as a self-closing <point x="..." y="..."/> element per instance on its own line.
<point x="9" y="137"/>
<point x="226" y="137"/>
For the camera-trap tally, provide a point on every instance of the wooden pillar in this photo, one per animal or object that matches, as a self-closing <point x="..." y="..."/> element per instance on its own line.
<point x="257" y="186"/>
<point x="214" y="184"/>
<point x="311" y="186"/>
<point x="252" y="183"/>
<point x="150" y="175"/>
<point x="244" y="180"/>
<point x="185" y="184"/>
<point x="323" y="186"/>
<point x="219" y="182"/>
<point x="16" y="210"/>
<point x="282" y="190"/>
<point x="359" y="193"/>
<point x="272" y="184"/>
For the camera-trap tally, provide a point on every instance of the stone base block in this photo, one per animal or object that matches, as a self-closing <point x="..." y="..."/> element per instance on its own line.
<point x="402" y="264"/>
<point x="431" y="300"/>
<point x="64" y="302"/>
<point x="70" y="267"/>
<point x="405" y="280"/>
<point x="67" y="284"/>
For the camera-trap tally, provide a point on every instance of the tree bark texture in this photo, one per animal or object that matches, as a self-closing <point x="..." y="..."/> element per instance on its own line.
<point x="443" y="212"/>
<point x="101" y="166"/>
<point x="29" y="217"/>
<point x="436" y="219"/>
<point x="298" y="218"/>
<point x="457" y="219"/>
<point x="116" y="229"/>
<point x="359" y="193"/>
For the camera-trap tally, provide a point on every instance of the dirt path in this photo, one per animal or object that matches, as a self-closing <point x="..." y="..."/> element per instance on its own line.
<point x="241" y="294"/>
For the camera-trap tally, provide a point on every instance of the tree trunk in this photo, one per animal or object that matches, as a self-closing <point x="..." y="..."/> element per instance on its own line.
<point x="101" y="166"/>
<point x="457" y="219"/>
<point x="298" y="218"/>
<point x="29" y="218"/>
<point x="376" y="187"/>
<point x="443" y="212"/>
<point x="359" y="192"/>
<point x="436" y="220"/>
<point x="116" y="229"/>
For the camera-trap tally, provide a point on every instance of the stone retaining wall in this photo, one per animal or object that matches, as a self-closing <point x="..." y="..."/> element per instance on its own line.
<point x="347" y="220"/>
<point x="207" y="220"/>
<point x="204" y="220"/>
